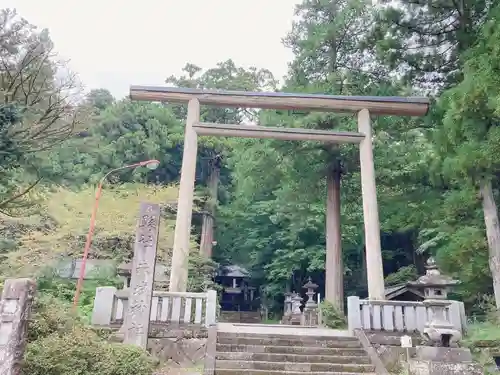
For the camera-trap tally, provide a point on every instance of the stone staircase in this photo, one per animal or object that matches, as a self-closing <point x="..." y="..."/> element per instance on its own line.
<point x="247" y="353"/>
<point x="249" y="317"/>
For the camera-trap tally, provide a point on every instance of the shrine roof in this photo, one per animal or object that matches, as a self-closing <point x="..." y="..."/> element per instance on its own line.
<point x="233" y="271"/>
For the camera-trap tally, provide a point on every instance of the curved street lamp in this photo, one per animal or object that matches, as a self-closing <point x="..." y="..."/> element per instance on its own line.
<point x="150" y="164"/>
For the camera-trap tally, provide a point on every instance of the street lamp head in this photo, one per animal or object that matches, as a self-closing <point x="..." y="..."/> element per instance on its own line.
<point x="151" y="164"/>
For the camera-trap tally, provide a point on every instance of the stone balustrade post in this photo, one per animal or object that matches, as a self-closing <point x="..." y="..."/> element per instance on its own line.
<point x="15" y="309"/>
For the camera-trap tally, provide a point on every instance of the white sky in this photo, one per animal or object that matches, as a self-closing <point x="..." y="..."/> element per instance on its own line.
<point x="113" y="44"/>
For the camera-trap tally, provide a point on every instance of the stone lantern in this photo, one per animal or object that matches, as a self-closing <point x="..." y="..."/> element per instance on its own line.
<point x="287" y="310"/>
<point x="439" y="331"/>
<point x="311" y="287"/>
<point x="296" y="303"/>
<point x="124" y="270"/>
<point x="288" y="303"/>
<point x="296" y="316"/>
<point x="311" y="308"/>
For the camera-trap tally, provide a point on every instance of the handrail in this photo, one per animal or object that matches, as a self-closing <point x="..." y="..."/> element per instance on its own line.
<point x="111" y="306"/>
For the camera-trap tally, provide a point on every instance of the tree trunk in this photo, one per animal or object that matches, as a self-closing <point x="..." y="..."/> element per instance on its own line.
<point x="207" y="227"/>
<point x="334" y="270"/>
<point x="493" y="233"/>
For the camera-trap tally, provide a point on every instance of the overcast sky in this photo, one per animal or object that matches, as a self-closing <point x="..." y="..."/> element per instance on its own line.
<point x="114" y="44"/>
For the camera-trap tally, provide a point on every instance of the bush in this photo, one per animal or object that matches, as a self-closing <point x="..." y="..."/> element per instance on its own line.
<point x="50" y="315"/>
<point x="80" y="351"/>
<point x="331" y="316"/>
<point x="59" y="343"/>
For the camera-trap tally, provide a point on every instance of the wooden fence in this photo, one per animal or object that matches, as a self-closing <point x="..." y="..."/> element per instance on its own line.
<point x="110" y="306"/>
<point x="398" y="316"/>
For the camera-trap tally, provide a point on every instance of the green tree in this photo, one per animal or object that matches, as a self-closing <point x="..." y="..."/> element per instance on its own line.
<point x="470" y="137"/>
<point x="99" y="99"/>
<point x="30" y="82"/>
<point x="424" y="40"/>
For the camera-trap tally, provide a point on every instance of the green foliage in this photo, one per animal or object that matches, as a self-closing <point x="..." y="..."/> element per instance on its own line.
<point x="331" y="317"/>
<point x="81" y="352"/>
<point x="61" y="344"/>
<point x="49" y="285"/>
<point x="425" y="41"/>
<point x="401" y="276"/>
<point x="44" y="96"/>
<point x="483" y="338"/>
<point x="201" y="271"/>
<point x="15" y="187"/>
<point x="61" y="228"/>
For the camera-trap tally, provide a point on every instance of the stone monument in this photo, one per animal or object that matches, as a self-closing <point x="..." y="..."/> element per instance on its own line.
<point x="136" y="322"/>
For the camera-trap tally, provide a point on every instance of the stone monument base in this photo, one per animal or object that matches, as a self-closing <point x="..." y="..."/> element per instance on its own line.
<point x="418" y="367"/>
<point x="443" y="361"/>
<point x="296" y="320"/>
<point x="440" y="354"/>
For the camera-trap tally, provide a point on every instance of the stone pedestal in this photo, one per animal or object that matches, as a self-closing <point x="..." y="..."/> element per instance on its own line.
<point x="429" y="353"/>
<point x="311" y="318"/>
<point x="443" y="361"/>
<point x="439" y="331"/>
<point x="418" y="367"/>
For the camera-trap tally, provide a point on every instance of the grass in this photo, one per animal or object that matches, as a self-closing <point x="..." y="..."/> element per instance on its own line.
<point x="61" y="227"/>
<point x="484" y="340"/>
<point x="483" y="332"/>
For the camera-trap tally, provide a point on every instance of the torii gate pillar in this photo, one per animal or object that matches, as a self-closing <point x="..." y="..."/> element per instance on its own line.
<point x="182" y="234"/>
<point x="375" y="271"/>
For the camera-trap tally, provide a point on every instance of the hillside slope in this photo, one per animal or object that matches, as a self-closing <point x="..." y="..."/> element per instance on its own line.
<point x="60" y="230"/>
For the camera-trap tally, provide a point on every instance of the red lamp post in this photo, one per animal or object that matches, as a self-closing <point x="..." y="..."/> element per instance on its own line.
<point x="151" y="164"/>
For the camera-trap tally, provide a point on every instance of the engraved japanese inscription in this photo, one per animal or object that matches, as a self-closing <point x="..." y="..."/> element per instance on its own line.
<point x="142" y="277"/>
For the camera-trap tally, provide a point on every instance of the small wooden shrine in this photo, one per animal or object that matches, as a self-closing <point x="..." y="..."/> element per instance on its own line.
<point x="237" y="293"/>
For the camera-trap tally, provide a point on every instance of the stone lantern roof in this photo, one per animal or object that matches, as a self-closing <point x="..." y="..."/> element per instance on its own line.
<point x="433" y="278"/>
<point x="124" y="269"/>
<point x="310" y="285"/>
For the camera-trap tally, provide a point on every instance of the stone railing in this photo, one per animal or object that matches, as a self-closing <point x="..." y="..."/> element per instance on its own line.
<point x="398" y="316"/>
<point x="110" y="307"/>
<point x="16" y="300"/>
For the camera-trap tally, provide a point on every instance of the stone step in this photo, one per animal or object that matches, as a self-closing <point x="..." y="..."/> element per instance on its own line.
<point x="340" y="342"/>
<point x="290" y="366"/>
<point x="248" y="317"/>
<point x="298" y="358"/>
<point x="289" y="349"/>
<point x="285" y="336"/>
<point x="393" y="338"/>
<point x="269" y="372"/>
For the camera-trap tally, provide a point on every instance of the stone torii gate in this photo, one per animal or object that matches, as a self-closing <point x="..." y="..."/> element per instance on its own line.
<point x="363" y="106"/>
